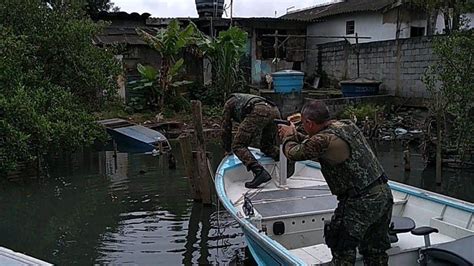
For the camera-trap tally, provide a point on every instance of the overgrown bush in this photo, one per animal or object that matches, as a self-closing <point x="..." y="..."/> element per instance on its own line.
<point x="51" y="79"/>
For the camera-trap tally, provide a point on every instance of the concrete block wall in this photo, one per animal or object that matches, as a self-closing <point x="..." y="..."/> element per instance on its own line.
<point x="400" y="65"/>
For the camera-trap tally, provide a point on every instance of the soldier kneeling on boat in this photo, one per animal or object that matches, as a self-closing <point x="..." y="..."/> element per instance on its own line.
<point x="353" y="173"/>
<point x="255" y="115"/>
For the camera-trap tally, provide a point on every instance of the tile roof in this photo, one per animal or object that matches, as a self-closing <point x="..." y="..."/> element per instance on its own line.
<point x="343" y="7"/>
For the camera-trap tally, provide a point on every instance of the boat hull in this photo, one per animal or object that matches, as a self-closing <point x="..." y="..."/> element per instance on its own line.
<point x="450" y="215"/>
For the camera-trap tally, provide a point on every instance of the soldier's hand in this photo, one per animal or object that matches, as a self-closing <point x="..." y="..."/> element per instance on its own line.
<point x="285" y="131"/>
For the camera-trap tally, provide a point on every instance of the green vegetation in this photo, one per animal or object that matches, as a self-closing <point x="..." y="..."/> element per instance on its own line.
<point x="362" y="111"/>
<point x="92" y="7"/>
<point x="225" y="53"/>
<point x="160" y="86"/>
<point x="451" y="84"/>
<point x="51" y="79"/>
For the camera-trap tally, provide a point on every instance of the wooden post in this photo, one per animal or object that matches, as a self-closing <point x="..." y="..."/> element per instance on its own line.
<point x="406" y="158"/>
<point x="160" y="148"/>
<point x="231" y="11"/>
<point x="115" y="155"/>
<point x="438" y="144"/>
<point x="357" y="52"/>
<point x="201" y="158"/>
<point x="188" y="160"/>
<point x="276" y="50"/>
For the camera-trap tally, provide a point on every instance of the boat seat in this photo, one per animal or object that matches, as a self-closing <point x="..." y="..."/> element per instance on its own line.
<point x="398" y="225"/>
<point x="458" y="252"/>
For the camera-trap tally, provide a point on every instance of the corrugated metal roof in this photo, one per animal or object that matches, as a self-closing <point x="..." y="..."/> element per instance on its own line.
<point x="157" y="20"/>
<point x="347" y="6"/>
<point x="122" y="35"/>
<point x="118" y="39"/>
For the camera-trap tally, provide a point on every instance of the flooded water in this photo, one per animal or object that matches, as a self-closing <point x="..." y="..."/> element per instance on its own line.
<point x="98" y="210"/>
<point x="455" y="183"/>
<point x="95" y="209"/>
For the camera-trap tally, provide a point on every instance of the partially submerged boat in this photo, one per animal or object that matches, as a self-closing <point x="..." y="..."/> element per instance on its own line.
<point x="135" y="138"/>
<point x="283" y="220"/>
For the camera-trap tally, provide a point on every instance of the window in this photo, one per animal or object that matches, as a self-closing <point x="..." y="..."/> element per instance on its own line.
<point x="417" y="31"/>
<point x="350" y="27"/>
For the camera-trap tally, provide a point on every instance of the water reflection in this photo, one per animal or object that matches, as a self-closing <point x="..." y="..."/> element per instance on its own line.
<point x="455" y="183"/>
<point x="105" y="207"/>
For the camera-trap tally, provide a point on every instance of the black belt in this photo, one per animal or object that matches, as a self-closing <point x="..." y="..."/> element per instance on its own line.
<point x="355" y="193"/>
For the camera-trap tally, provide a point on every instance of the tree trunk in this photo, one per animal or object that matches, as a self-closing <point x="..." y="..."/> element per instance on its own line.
<point x="447" y="20"/>
<point x="432" y="16"/>
<point x="165" y="67"/>
<point x="456" y="18"/>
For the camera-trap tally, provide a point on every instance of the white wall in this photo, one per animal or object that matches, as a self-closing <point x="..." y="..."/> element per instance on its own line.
<point x="367" y="24"/>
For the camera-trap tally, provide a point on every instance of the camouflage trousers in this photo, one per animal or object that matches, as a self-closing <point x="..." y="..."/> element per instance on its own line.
<point x="258" y="123"/>
<point x="365" y="222"/>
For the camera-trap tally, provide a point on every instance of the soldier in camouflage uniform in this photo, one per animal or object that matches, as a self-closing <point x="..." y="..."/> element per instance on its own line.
<point x="353" y="173"/>
<point x="255" y="115"/>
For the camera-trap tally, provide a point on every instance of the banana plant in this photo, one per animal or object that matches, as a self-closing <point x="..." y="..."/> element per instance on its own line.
<point x="225" y="53"/>
<point x="170" y="43"/>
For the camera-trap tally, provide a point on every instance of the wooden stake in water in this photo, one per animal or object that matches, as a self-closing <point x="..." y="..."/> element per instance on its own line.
<point x="406" y="158"/>
<point x="188" y="161"/>
<point x="201" y="158"/>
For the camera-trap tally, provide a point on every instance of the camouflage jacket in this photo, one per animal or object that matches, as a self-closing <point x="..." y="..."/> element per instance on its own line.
<point x="347" y="161"/>
<point x="235" y="109"/>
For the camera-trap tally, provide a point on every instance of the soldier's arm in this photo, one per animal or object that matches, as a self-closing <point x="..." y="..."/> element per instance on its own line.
<point x="300" y="136"/>
<point x="311" y="148"/>
<point x="227" y="126"/>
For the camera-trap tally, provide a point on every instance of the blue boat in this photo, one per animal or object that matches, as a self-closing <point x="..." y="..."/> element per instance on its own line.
<point x="135" y="138"/>
<point x="283" y="220"/>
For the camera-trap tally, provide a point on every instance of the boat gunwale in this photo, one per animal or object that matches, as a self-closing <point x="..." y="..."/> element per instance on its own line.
<point x="433" y="196"/>
<point x="274" y="245"/>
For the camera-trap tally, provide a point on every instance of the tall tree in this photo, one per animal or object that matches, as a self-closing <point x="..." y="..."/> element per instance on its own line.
<point x="51" y="79"/>
<point x="92" y="7"/>
<point x="451" y="10"/>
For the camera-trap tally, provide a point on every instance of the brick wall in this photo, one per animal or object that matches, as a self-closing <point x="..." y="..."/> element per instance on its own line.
<point x="399" y="65"/>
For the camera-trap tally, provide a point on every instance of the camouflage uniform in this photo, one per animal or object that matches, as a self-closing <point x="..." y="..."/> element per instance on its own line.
<point x="255" y="115"/>
<point x="355" y="176"/>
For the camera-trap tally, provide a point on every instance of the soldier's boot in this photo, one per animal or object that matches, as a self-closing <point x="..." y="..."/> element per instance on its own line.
<point x="260" y="176"/>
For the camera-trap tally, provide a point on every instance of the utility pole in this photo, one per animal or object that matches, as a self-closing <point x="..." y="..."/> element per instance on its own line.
<point x="276" y="50"/>
<point x="357" y="53"/>
<point x="231" y="8"/>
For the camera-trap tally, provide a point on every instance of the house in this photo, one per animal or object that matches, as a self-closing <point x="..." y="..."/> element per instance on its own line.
<point x="121" y="33"/>
<point x="380" y="20"/>
<point x="257" y="62"/>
